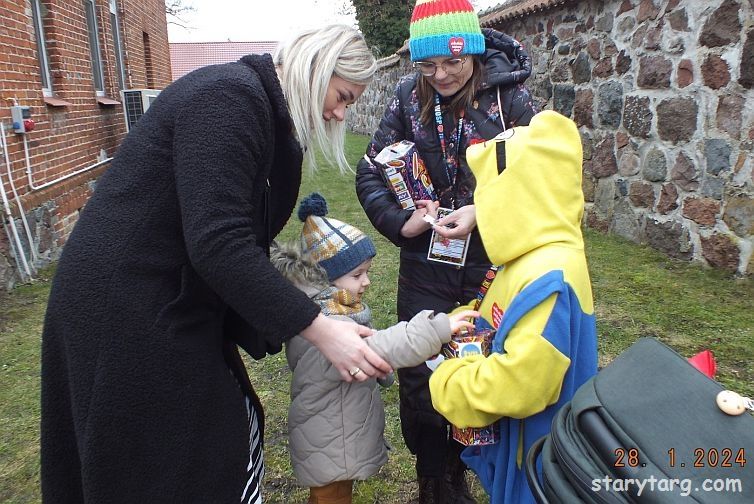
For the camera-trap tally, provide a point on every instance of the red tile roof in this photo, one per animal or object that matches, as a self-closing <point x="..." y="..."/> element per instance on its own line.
<point x="187" y="56"/>
<point x="516" y="8"/>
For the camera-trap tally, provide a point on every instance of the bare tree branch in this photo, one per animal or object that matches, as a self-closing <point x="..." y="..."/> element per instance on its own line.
<point x="175" y="9"/>
<point x="345" y="8"/>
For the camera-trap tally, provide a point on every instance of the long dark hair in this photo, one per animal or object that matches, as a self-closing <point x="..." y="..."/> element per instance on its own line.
<point x="462" y="99"/>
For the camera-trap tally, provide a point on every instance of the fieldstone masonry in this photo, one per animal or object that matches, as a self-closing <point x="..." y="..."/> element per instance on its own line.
<point x="365" y="115"/>
<point x="663" y="93"/>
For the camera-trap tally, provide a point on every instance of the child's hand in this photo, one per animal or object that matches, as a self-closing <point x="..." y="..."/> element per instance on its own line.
<point x="462" y="320"/>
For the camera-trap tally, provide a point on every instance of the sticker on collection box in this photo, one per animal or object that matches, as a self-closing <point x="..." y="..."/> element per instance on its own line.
<point x="463" y="345"/>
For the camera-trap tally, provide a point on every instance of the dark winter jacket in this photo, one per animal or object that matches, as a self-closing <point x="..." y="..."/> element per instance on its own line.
<point x="507" y="66"/>
<point x="160" y="278"/>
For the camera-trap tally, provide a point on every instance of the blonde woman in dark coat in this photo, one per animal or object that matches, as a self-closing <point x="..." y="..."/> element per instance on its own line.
<point x="144" y="395"/>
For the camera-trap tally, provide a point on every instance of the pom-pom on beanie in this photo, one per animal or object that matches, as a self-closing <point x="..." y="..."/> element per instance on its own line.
<point x="448" y="28"/>
<point x="336" y="246"/>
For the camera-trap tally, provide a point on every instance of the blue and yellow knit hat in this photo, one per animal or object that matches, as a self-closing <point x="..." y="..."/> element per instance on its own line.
<point x="336" y="246"/>
<point x="447" y="28"/>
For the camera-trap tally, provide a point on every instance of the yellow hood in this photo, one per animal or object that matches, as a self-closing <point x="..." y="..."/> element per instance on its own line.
<point x="537" y="200"/>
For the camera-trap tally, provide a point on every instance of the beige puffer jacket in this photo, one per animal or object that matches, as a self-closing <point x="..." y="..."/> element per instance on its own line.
<point x="336" y="428"/>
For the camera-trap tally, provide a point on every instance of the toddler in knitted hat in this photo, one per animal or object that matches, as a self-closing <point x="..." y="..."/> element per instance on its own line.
<point x="343" y="251"/>
<point x="336" y="428"/>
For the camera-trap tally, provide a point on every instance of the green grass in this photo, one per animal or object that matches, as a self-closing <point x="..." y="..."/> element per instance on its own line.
<point x="638" y="292"/>
<point x="21" y="316"/>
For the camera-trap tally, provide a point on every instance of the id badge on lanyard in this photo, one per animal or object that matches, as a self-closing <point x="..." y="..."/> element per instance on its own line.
<point x="448" y="250"/>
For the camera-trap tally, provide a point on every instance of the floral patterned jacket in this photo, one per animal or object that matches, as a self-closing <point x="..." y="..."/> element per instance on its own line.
<point x="507" y="66"/>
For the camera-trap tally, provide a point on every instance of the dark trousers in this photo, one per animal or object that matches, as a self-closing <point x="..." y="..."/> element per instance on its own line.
<point x="426" y="285"/>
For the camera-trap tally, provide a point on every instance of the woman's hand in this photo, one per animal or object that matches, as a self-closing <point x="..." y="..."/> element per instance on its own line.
<point x="462" y="320"/>
<point x="341" y="342"/>
<point x="458" y="224"/>
<point x="416" y="224"/>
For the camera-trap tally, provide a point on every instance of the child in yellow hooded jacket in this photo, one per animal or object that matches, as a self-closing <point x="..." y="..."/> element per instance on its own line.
<point x="528" y="206"/>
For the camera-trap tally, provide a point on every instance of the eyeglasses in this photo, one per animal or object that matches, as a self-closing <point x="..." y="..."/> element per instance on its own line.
<point x="450" y="66"/>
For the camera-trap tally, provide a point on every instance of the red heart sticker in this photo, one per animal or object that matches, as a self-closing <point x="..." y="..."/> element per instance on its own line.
<point x="456" y="45"/>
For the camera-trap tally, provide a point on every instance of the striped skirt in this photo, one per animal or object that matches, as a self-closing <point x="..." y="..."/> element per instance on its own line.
<point x="252" y="492"/>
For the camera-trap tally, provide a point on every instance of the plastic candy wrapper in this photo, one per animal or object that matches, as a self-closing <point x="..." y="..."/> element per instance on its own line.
<point x="474" y="343"/>
<point x="405" y="174"/>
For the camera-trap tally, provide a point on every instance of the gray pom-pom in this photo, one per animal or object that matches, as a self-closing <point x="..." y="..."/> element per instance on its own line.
<point x="314" y="204"/>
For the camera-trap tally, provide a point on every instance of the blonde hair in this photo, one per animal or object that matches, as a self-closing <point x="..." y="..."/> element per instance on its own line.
<point x="307" y="63"/>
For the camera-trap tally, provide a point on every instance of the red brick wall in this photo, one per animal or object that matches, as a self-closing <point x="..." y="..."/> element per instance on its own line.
<point x="70" y="137"/>
<point x="146" y="16"/>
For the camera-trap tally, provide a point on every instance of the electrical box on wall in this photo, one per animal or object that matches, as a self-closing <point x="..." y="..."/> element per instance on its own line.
<point x="22" y="121"/>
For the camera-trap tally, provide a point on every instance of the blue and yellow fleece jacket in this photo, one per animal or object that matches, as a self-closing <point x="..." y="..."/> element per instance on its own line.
<point x="540" y="302"/>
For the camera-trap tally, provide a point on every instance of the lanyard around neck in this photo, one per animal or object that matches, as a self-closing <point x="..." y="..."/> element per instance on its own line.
<point x="488" y="278"/>
<point x="452" y="173"/>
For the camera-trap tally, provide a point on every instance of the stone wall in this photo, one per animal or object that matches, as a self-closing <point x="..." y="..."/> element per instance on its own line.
<point x="364" y="116"/>
<point x="662" y="93"/>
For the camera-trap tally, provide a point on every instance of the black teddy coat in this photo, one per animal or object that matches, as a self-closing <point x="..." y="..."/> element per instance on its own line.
<point x="164" y="272"/>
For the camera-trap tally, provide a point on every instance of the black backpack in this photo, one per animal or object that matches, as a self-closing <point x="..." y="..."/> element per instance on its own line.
<point x="646" y="428"/>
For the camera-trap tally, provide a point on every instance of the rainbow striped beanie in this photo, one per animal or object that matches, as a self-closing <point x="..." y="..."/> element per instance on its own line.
<point x="447" y="28"/>
<point x="336" y="246"/>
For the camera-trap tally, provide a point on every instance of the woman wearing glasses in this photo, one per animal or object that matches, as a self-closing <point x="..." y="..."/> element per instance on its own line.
<point x="468" y="88"/>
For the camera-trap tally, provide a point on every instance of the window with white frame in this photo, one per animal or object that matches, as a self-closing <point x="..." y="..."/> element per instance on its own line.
<point x="91" y="24"/>
<point x="117" y="46"/>
<point x="37" y="12"/>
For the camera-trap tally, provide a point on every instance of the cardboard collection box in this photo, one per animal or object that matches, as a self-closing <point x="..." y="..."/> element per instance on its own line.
<point x="477" y="343"/>
<point x="405" y="173"/>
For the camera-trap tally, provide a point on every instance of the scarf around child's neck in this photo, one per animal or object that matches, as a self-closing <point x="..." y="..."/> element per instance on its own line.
<point x="334" y="301"/>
